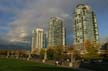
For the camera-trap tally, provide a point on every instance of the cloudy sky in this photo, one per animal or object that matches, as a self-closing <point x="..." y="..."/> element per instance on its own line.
<point x="19" y="17"/>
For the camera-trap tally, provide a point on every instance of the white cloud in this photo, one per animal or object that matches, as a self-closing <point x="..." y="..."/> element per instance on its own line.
<point x="36" y="14"/>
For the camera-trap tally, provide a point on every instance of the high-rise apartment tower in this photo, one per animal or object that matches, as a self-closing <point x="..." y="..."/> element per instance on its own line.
<point x="85" y="25"/>
<point x="56" y="32"/>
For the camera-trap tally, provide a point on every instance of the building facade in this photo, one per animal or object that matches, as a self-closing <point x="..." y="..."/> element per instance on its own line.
<point x="38" y="40"/>
<point x="56" y="32"/>
<point x="85" y="25"/>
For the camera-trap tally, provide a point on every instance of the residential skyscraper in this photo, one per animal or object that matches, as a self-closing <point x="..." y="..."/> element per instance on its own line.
<point x="56" y="32"/>
<point x="38" y="40"/>
<point x="85" y="25"/>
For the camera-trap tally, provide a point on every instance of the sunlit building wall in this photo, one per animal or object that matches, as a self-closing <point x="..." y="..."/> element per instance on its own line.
<point x="85" y="25"/>
<point x="38" y="40"/>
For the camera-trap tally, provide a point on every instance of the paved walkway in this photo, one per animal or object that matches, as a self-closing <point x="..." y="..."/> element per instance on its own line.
<point x="81" y="69"/>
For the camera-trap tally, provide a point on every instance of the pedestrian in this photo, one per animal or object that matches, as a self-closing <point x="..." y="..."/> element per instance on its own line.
<point x="56" y="62"/>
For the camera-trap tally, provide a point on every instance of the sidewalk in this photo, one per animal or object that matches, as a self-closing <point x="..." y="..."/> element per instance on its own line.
<point x="81" y="69"/>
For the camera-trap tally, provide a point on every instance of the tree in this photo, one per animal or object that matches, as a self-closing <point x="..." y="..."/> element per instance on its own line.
<point x="55" y="52"/>
<point x="50" y="53"/>
<point x="59" y="53"/>
<point x="91" y="50"/>
<point x="42" y="52"/>
<point x="104" y="51"/>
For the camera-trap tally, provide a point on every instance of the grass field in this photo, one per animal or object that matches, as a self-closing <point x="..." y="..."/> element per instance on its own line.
<point x="20" y="65"/>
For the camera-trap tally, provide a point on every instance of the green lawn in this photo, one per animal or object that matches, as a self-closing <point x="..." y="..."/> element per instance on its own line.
<point x="20" y="65"/>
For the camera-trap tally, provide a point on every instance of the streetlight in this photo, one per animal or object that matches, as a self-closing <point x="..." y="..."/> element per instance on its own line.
<point x="7" y="54"/>
<point x="71" y="61"/>
<point x="29" y="55"/>
<point x="45" y="56"/>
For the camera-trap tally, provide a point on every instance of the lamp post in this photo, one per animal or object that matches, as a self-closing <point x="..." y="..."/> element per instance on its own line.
<point x="45" y="56"/>
<point x="7" y="54"/>
<point x="29" y="55"/>
<point x="71" y="61"/>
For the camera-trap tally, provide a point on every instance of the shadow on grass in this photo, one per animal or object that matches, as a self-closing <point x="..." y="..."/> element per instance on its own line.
<point x="37" y="69"/>
<point x="20" y="65"/>
<point x="47" y="69"/>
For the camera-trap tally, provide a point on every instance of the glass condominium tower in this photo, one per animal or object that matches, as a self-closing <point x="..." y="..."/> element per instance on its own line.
<point x="56" y="32"/>
<point x="85" y="25"/>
